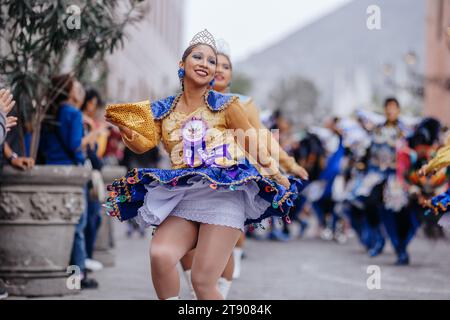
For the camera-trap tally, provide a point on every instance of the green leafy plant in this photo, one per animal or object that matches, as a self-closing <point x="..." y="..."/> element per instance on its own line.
<point x="36" y="36"/>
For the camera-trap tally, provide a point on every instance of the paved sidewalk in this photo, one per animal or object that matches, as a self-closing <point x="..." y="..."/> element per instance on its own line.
<point x="300" y="269"/>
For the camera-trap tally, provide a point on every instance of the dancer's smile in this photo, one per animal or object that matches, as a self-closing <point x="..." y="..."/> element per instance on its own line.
<point x="201" y="72"/>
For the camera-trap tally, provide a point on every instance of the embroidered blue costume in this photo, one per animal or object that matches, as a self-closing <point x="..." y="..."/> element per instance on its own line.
<point x="380" y="191"/>
<point x="440" y="204"/>
<point x="211" y="180"/>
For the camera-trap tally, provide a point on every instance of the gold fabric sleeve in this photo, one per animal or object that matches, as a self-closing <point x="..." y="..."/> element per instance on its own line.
<point x="139" y="118"/>
<point x="286" y="162"/>
<point x="441" y="160"/>
<point x="237" y="119"/>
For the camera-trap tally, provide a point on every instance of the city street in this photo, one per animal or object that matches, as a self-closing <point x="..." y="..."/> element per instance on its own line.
<point x="148" y="109"/>
<point x="301" y="269"/>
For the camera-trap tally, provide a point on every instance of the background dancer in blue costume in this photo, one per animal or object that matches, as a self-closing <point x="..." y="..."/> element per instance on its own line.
<point x="354" y="171"/>
<point x="215" y="186"/>
<point x="420" y="147"/>
<point x="311" y="155"/>
<point x="380" y="190"/>
<point x="330" y="222"/>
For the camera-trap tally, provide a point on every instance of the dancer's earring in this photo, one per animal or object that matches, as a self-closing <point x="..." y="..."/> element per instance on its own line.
<point x="181" y="74"/>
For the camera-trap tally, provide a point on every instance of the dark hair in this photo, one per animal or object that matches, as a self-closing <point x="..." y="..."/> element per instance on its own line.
<point x="228" y="58"/>
<point x="91" y="93"/>
<point x="59" y="91"/>
<point x="427" y="132"/>
<point x="277" y="114"/>
<point x="389" y="100"/>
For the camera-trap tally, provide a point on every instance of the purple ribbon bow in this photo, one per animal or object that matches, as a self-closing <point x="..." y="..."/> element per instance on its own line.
<point x="208" y="158"/>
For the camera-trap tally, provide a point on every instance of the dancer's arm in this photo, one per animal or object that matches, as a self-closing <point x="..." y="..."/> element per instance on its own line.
<point x="441" y="160"/>
<point x="135" y="141"/>
<point x="236" y="119"/>
<point x="287" y="162"/>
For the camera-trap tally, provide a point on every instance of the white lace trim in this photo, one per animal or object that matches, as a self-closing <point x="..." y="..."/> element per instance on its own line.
<point x="211" y="218"/>
<point x="198" y="202"/>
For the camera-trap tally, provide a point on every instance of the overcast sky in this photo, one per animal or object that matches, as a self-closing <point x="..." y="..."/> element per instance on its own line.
<point x="251" y="25"/>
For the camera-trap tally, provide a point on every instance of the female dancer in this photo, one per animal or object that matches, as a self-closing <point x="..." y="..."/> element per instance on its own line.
<point x="222" y="83"/>
<point x="212" y="190"/>
<point x="441" y="203"/>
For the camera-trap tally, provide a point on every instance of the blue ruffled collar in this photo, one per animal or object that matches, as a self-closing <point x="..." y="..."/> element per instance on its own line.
<point x="215" y="101"/>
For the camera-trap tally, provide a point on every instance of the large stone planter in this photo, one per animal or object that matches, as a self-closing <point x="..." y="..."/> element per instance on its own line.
<point x="38" y="213"/>
<point x="104" y="244"/>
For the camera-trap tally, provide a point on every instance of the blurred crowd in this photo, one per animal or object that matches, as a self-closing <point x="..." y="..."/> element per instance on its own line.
<point x="73" y="132"/>
<point x="364" y="180"/>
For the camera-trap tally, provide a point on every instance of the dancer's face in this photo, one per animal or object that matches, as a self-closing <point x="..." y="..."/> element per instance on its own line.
<point x="392" y="111"/>
<point x="200" y="65"/>
<point x="223" y="73"/>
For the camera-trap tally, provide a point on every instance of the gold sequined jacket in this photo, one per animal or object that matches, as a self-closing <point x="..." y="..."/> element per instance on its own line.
<point x="160" y="121"/>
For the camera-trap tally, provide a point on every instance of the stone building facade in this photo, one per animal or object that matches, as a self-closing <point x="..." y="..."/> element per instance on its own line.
<point x="146" y="68"/>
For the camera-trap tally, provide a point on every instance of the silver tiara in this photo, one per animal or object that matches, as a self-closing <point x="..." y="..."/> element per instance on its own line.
<point x="204" y="37"/>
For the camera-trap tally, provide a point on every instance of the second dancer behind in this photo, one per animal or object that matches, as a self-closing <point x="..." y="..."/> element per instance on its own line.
<point x="222" y="84"/>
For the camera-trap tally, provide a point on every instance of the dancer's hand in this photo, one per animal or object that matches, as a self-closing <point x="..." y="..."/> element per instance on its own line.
<point x="281" y="179"/>
<point x="299" y="171"/>
<point x="123" y="130"/>
<point x="423" y="171"/>
<point x="425" y="203"/>
<point x="421" y="200"/>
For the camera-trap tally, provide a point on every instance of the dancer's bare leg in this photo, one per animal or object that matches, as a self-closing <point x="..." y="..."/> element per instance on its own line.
<point x="228" y="272"/>
<point x="237" y="256"/>
<point x="186" y="264"/>
<point x="214" y="247"/>
<point x="241" y="241"/>
<point x="224" y="281"/>
<point x="171" y="241"/>
<point x="186" y="261"/>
